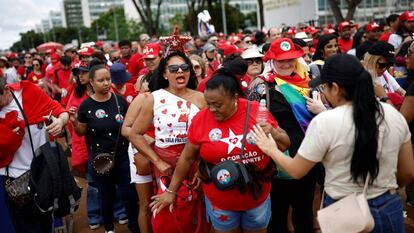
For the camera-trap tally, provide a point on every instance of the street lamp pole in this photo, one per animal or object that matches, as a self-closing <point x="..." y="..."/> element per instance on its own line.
<point x="223" y="13"/>
<point x="115" y="25"/>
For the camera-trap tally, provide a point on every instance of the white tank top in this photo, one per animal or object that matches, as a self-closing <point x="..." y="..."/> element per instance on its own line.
<point x="172" y="118"/>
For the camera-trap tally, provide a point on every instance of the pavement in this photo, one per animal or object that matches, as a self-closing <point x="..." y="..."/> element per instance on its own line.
<point x="81" y="225"/>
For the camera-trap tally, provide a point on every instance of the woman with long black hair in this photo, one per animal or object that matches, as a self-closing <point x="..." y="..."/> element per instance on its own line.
<point x="359" y="137"/>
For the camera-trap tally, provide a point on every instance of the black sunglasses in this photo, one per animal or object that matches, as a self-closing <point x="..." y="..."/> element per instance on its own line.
<point x="250" y="61"/>
<point x="383" y="65"/>
<point x="174" y="68"/>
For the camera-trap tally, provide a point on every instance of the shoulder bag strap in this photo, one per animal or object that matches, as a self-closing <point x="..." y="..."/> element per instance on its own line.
<point x="246" y="124"/>
<point x="120" y="123"/>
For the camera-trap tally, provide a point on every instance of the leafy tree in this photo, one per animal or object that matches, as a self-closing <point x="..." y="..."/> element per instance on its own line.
<point x="351" y="7"/>
<point x="234" y="17"/>
<point x="194" y="7"/>
<point x="106" y="23"/>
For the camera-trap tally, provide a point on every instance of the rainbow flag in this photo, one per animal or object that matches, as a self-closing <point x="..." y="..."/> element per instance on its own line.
<point x="295" y="97"/>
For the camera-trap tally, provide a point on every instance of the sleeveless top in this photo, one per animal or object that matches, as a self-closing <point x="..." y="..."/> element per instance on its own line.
<point x="172" y="118"/>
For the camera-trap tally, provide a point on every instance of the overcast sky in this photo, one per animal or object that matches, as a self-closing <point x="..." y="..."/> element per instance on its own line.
<point x="20" y="16"/>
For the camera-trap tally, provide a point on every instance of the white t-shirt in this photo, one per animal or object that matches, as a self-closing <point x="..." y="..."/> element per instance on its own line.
<point x="395" y="40"/>
<point x="330" y="139"/>
<point x="389" y="83"/>
<point x="24" y="155"/>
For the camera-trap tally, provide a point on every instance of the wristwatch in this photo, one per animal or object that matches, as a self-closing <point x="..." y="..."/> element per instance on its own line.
<point x="384" y="99"/>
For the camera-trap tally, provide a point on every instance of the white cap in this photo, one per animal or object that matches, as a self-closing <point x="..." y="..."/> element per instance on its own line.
<point x="251" y="52"/>
<point x="303" y="36"/>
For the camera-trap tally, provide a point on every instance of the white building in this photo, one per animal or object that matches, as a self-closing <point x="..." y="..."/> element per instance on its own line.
<point x="45" y="25"/>
<point x="291" y="12"/>
<point x="92" y="9"/>
<point x="55" y="19"/>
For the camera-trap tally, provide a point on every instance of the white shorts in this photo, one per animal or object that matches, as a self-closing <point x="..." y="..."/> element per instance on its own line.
<point x="135" y="178"/>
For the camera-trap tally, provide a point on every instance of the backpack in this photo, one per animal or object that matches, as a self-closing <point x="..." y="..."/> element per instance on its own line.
<point x="53" y="188"/>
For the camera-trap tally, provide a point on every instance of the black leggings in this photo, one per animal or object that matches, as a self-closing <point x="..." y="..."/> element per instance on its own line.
<point x="299" y="195"/>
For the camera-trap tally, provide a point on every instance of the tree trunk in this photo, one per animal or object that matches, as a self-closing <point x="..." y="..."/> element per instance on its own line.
<point x="352" y="5"/>
<point x="336" y="10"/>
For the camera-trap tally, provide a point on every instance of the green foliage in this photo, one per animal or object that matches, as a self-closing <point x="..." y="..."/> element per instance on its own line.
<point x="234" y="18"/>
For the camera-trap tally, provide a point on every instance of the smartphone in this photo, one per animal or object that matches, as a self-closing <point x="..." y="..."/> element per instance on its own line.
<point x="315" y="95"/>
<point x="49" y="118"/>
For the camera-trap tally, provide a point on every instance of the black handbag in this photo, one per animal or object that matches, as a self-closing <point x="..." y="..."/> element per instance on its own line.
<point x="18" y="189"/>
<point x="103" y="163"/>
<point x="227" y="174"/>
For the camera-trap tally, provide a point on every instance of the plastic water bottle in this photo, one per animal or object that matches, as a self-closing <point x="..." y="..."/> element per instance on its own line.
<point x="262" y="112"/>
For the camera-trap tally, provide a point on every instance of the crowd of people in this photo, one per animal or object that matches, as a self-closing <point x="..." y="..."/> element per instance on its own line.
<point x="224" y="133"/>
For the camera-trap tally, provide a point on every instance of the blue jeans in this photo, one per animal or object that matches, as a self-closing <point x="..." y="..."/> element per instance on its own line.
<point x="253" y="219"/>
<point x="119" y="179"/>
<point x="387" y="211"/>
<point x="93" y="199"/>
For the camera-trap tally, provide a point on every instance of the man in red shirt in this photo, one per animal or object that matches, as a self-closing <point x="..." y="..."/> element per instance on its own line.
<point x="120" y="77"/>
<point x="24" y="70"/>
<point x="125" y="46"/>
<point x="345" y="39"/>
<point x="61" y="78"/>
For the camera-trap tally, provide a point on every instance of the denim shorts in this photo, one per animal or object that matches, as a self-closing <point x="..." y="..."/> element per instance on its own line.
<point x="387" y="211"/>
<point x="253" y="219"/>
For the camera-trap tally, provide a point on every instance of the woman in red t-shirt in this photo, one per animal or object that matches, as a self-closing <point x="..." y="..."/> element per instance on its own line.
<point x="216" y="134"/>
<point x="36" y="75"/>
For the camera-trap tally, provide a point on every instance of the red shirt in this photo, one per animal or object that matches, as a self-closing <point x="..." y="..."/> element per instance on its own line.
<point x="34" y="78"/>
<point x="212" y="67"/>
<point x="385" y="37"/>
<point x="344" y="45"/>
<point x="80" y="154"/>
<point x="220" y="141"/>
<point x="134" y="66"/>
<point x="202" y="85"/>
<point x="62" y="79"/>
<point x="130" y="92"/>
<point x="22" y="71"/>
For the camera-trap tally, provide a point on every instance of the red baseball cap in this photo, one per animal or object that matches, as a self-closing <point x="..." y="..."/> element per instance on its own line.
<point x="151" y="51"/>
<point x="344" y="24"/>
<point x="229" y="49"/>
<point x="406" y="16"/>
<point x="87" y="51"/>
<point x="283" y="49"/>
<point x="372" y="26"/>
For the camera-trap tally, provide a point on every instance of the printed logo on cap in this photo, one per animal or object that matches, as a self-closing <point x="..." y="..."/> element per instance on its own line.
<point x="285" y="46"/>
<point x="215" y="135"/>
<point x="148" y="50"/>
<point x="223" y="176"/>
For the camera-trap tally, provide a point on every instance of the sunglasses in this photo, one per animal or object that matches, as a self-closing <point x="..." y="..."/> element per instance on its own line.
<point x="383" y="65"/>
<point x="174" y="68"/>
<point x="196" y="67"/>
<point x="250" y="61"/>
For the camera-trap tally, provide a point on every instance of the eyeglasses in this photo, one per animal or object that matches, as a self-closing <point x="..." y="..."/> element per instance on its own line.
<point x="174" y="68"/>
<point x="383" y="65"/>
<point x="250" y="61"/>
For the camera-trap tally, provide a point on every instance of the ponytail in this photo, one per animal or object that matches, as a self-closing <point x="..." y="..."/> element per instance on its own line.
<point x="227" y="80"/>
<point x="367" y="115"/>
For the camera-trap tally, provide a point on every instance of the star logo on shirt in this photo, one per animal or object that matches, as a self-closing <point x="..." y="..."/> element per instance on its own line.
<point x="232" y="141"/>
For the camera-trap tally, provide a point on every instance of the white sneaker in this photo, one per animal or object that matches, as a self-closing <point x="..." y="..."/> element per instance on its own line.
<point x="94" y="226"/>
<point x="123" y="221"/>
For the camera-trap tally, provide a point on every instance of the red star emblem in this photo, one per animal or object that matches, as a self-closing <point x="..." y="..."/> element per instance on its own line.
<point x="175" y="42"/>
<point x="223" y="218"/>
